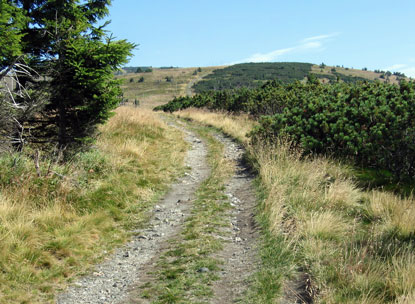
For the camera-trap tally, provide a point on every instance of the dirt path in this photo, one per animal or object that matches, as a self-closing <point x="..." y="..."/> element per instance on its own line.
<point x="189" y="91"/>
<point x="116" y="279"/>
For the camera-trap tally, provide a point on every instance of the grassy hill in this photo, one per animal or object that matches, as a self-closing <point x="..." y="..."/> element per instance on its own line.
<point x="160" y="85"/>
<point x="252" y="75"/>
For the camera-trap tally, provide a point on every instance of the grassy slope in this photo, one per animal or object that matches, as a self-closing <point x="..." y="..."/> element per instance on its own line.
<point x="370" y="75"/>
<point x="357" y="245"/>
<point x="155" y="90"/>
<point x="56" y="223"/>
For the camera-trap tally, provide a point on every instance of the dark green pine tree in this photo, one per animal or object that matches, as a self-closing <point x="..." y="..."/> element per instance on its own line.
<point x="66" y="45"/>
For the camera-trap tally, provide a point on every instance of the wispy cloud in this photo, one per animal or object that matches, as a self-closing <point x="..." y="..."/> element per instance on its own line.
<point x="315" y="42"/>
<point x="263" y="57"/>
<point x="320" y="37"/>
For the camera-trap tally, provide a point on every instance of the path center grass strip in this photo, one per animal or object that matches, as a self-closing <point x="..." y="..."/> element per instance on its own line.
<point x="57" y="221"/>
<point x="186" y="270"/>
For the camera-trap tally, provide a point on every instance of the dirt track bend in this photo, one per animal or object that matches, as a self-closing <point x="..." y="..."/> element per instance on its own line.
<point x="113" y="280"/>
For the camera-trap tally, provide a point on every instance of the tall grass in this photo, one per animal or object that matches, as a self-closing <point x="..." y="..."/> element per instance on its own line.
<point x="357" y="246"/>
<point x="59" y="219"/>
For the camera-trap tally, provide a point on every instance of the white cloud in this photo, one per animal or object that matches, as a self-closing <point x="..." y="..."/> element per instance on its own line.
<point x="320" y="37"/>
<point x="311" y="45"/>
<point x="315" y="42"/>
<point x="260" y="57"/>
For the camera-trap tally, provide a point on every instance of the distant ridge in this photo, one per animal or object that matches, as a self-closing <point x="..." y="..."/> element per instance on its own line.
<point x="253" y="75"/>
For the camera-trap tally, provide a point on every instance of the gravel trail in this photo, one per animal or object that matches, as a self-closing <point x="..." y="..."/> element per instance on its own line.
<point x="110" y="281"/>
<point x="114" y="279"/>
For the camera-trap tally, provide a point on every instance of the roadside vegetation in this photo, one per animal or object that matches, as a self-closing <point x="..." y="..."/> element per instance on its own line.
<point x="324" y="237"/>
<point x="58" y="219"/>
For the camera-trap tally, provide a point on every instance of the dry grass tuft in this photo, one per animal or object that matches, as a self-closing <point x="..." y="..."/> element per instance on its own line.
<point x="324" y="224"/>
<point x="343" y="194"/>
<point x="406" y="299"/>
<point x="402" y="278"/>
<point x="397" y="214"/>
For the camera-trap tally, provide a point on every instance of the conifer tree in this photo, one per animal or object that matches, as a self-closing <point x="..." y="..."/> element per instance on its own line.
<point x="76" y="58"/>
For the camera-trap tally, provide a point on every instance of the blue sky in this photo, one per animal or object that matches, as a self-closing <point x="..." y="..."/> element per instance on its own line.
<point x="190" y="33"/>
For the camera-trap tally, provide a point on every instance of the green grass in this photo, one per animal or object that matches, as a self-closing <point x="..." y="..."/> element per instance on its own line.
<point x="177" y="278"/>
<point x="276" y="260"/>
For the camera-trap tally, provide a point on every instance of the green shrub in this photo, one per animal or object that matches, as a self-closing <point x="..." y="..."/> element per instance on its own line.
<point x="370" y="123"/>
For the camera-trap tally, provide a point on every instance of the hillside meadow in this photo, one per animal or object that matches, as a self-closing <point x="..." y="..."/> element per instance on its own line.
<point x="159" y="85"/>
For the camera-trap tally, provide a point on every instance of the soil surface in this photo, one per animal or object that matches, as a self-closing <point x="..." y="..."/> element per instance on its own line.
<point x="113" y="280"/>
